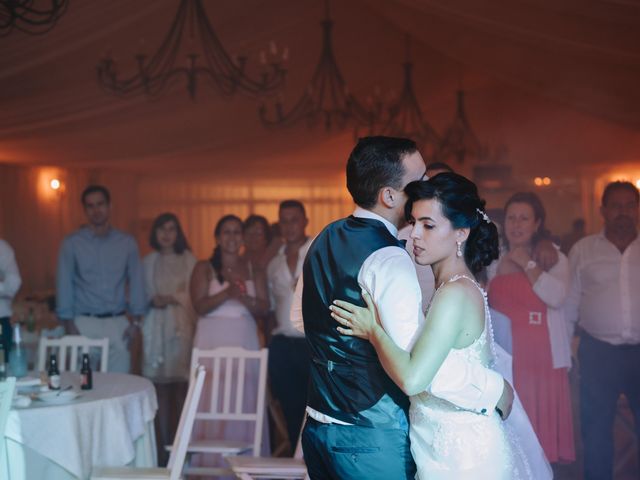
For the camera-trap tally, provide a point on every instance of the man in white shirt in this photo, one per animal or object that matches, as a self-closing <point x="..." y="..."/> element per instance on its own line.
<point x="358" y="425"/>
<point x="288" y="354"/>
<point x="9" y="285"/>
<point x="605" y="271"/>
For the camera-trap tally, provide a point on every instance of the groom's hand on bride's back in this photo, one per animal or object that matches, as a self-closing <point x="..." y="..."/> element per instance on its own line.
<point x="506" y="401"/>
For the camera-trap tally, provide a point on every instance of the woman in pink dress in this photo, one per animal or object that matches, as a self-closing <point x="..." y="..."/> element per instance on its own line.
<point x="227" y="295"/>
<point x="533" y="299"/>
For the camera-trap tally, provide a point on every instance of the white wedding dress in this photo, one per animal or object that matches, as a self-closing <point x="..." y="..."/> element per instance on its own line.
<point x="454" y="444"/>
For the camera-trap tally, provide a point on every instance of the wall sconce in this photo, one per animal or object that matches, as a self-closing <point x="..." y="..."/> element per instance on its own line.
<point x="55" y="184"/>
<point x="542" y="181"/>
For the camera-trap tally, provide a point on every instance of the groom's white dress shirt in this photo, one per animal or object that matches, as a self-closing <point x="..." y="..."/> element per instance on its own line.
<point x="389" y="276"/>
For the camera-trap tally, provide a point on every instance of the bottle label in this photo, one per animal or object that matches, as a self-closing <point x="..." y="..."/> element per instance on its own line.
<point x="54" y="382"/>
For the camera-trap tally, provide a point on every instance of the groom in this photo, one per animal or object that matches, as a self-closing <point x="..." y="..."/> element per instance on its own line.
<point x="357" y="424"/>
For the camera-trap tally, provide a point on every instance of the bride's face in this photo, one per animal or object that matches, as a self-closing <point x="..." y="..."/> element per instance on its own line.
<point x="434" y="238"/>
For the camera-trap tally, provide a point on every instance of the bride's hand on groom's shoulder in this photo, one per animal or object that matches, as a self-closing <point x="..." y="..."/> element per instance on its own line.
<point x="356" y="321"/>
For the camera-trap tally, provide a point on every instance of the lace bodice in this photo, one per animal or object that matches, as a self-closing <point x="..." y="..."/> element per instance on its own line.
<point x="481" y="350"/>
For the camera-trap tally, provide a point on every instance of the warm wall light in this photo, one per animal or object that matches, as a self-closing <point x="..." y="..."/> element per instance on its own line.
<point x="638" y="183"/>
<point x="546" y="181"/>
<point x="537" y="181"/>
<point x="55" y="184"/>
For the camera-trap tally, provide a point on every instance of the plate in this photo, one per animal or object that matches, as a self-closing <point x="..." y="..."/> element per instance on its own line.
<point x="55" y="397"/>
<point x="28" y="382"/>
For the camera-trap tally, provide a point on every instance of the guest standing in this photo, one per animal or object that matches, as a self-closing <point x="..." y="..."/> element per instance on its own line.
<point x="259" y="248"/>
<point x="227" y="294"/>
<point x="169" y="324"/>
<point x="605" y="274"/>
<point x="533" y="299"/>
<point x="288" y="351"/>
<point x="96" y="266"/>
<point x="10" y="282"/>
<point x="259" y="244"/>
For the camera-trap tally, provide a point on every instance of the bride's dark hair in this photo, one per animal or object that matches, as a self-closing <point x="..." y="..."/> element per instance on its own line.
<point x="461" y="205"/>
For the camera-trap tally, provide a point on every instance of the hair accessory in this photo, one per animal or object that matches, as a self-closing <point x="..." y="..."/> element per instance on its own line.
<point x="484" y="216"/>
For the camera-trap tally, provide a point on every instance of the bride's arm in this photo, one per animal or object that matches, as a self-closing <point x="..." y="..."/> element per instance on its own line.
<point x="412" y="371"/>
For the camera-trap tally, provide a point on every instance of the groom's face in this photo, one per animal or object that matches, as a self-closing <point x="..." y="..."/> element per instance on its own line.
<point x="414" y="169"/>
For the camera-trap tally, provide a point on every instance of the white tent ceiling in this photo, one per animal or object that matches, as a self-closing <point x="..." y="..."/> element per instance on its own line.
<point x="555" y="82"/>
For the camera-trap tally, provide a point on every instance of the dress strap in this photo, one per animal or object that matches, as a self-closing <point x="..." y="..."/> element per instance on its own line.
<point x="458" y="277"/>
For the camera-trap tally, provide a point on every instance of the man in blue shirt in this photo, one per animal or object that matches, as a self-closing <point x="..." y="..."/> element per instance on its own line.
<point x="98" y="270"/>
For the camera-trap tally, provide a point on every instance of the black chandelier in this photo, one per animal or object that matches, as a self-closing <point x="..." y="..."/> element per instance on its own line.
<point x="226" y="74"/>
<point x="326" y="98"/>
<point x="403" y="117"/>
<point x="26" y="16"/>
<point x="459" y="140"/>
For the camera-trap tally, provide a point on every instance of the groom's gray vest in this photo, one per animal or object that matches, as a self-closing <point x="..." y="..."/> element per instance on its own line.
<point x="347" y="380"/>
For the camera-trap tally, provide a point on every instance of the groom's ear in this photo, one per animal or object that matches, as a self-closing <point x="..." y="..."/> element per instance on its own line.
<point x="387" y="197"/>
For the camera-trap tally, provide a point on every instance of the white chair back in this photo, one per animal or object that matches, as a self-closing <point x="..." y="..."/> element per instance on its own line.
<point x="7" y="389"/>
<point x="68" y="347"/>
<point x="185" y="425"/>
<point x="230" y="369"/>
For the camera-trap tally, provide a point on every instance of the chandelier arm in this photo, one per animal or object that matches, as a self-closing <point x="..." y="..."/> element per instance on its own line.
<point x="218" y="62"/>
<point x="231" y="77"/>
<point x="160" y="70"/>
<point x="20" y="14"/>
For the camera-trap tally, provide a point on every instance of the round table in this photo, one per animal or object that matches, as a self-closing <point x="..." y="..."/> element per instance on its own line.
<point x="110" y="425"/>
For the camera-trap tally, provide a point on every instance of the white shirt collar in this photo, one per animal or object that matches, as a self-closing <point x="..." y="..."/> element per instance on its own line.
<point x="360" y="212"/>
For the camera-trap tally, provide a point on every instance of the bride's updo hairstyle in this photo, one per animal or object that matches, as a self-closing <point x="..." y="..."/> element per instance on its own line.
<point x="461" y="205"/>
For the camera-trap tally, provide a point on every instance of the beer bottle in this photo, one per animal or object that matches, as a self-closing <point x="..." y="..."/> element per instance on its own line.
<point x="86" y="375"/>
<point x="3" y="360"/>
<point x="54" y="373"/>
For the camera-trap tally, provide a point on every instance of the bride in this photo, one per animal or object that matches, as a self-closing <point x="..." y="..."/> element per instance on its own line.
<point x="452" y="233"/>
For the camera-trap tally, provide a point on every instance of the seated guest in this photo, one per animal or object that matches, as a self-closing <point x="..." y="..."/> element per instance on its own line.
<point x="533" y="300"/>
<point x="169" y="324"/>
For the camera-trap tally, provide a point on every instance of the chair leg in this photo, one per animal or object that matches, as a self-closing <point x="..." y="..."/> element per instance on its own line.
<point x="282" y="444"/>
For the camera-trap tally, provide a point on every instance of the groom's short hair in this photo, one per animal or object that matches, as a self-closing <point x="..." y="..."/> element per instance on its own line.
<point x="374" y="163"/>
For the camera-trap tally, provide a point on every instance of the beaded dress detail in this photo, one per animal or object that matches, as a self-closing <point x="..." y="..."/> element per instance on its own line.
<point x="451" y="443"/>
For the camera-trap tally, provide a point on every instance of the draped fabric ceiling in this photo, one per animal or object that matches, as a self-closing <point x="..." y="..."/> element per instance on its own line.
<point x="555" y="82"/>
<point x="552" y="85"/>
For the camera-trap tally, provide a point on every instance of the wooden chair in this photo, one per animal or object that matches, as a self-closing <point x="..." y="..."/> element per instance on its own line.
<point x="252" y="468"/>
<point x="173" y="471"/>
<point x="229" y="370"/>
<point x="72" y="344"/>
<point x="7" y="389"/>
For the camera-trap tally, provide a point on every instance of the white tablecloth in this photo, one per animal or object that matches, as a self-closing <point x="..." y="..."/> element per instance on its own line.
<point x="111" y="425"/>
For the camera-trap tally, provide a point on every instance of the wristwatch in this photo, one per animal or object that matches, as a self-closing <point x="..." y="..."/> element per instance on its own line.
<point x="531" y="264"/>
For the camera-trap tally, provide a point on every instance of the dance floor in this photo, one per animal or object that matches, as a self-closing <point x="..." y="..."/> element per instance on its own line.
<point x="170" y="398"/>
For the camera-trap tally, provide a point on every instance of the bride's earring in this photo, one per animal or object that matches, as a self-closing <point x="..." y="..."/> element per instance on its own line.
<point x="459" y="249"/>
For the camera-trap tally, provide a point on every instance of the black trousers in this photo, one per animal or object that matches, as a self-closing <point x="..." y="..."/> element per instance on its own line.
<point x="606" y="372"/>
<point x="7" y="336"/>
<point x="289" y="376"/>
<point x="349" y="452"/>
